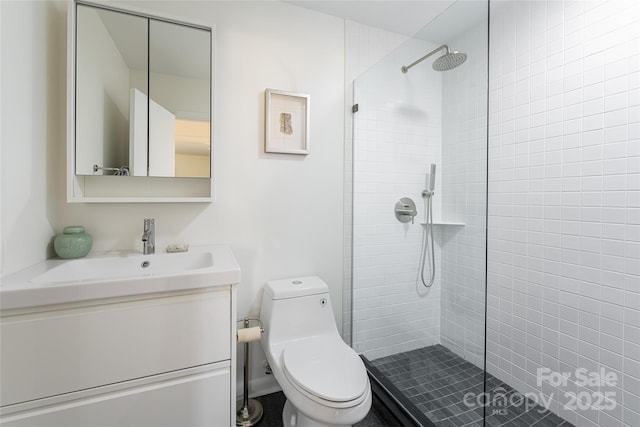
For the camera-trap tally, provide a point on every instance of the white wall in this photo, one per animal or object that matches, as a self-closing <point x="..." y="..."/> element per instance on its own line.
<point x="31" y="52"/>
<point x="281" y="214"/>
<point x="564" y="200"/>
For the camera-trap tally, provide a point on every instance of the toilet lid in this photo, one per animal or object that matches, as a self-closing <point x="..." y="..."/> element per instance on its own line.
<point x="325" y="367"/>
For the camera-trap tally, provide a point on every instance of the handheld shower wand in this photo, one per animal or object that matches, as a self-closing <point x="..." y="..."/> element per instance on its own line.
<point x="427" y="233"/>
<point x="432" y="177"/>
<point x="431" y="182"/>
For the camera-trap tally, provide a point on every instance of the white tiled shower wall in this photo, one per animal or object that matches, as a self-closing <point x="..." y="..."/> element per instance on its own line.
<point x="564" y="201"/>
<point x="397" y="134"/>
<point x="461" y="191"/>
<point x="464" y="177"/>
<point x="364" y="47"/>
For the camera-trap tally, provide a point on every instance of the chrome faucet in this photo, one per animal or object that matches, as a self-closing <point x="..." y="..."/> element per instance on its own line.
<point x="149" y="236"/>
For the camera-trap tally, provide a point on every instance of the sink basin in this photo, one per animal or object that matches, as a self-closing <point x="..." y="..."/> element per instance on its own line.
<point x="128" y="266"/>
<point x="119" y="274"/>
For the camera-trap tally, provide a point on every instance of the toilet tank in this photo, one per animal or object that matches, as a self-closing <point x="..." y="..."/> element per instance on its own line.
<point x="296" y="308"/>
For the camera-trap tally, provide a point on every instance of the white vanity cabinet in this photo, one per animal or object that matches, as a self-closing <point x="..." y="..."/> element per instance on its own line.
<point x="162" y="359"/>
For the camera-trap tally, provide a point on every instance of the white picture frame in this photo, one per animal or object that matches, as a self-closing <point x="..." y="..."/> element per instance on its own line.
<point x="286" y="122"/>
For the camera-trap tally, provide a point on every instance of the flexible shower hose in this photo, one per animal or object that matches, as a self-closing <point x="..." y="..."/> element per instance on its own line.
<point x="424" y="251"/>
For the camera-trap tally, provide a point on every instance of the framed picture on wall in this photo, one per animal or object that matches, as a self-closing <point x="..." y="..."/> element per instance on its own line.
<point x="286" y="122"/>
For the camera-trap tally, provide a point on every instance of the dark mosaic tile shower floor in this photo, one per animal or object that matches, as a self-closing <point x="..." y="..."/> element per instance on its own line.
<point x="436" y="380"/>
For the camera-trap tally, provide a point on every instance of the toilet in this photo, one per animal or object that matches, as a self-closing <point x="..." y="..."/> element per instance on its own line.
<point x="323" y="379"/>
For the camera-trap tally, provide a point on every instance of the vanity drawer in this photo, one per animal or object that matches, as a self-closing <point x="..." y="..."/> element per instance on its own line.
<point x="191" y="397"/>
<point x="55" y="352"/>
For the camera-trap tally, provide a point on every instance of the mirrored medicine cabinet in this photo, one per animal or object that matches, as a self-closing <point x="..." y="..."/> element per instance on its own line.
<point x="140" y="107"/>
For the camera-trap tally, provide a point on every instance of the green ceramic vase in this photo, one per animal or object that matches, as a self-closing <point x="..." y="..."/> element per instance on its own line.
<point x="73" y="242"/>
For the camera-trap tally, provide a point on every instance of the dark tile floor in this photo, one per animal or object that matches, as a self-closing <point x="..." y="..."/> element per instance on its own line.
<point x="272" y="405"/>
<point x="436" y="380"/>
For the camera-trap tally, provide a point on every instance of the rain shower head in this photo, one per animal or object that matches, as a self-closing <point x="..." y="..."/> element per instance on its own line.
<point x="449" y="61"/>
<point x="446" y="62"/>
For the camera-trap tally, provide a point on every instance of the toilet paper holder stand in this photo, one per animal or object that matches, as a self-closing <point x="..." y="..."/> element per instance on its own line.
<point x="251" y="411"/>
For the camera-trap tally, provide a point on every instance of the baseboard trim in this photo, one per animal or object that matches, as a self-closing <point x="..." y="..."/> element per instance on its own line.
<point x="258" y="387"/>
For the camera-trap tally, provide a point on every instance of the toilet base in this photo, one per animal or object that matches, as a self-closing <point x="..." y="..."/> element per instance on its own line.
<point x="291" y="417"/>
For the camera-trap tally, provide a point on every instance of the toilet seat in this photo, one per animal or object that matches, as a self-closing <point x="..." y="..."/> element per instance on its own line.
<point x="326" y="370"/>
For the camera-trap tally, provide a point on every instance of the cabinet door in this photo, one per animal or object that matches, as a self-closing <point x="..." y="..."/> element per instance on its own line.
<point x="52" y="353"/>
<point x="201" y="399"/>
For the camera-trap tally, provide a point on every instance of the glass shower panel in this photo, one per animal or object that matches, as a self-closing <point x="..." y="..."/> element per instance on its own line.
<point x="425" y="342"/>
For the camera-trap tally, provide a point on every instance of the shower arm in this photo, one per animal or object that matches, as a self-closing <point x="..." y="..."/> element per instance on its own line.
<point x="405" y="68"/>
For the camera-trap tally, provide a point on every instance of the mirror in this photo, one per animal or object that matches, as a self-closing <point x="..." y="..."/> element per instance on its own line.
<point x="143" y="96"/>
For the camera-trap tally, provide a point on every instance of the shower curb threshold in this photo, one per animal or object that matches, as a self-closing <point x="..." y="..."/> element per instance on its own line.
<point x="393" y="402"/>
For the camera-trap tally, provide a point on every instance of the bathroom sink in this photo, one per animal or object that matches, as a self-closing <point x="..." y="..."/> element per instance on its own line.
<point x="118" y="274"/>
<point x="124" y="266"/>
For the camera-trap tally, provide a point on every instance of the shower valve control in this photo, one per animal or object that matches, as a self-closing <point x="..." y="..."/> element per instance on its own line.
<point x="405" y="210"/>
